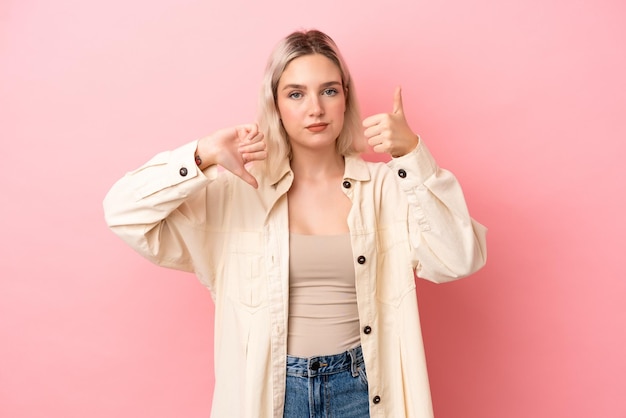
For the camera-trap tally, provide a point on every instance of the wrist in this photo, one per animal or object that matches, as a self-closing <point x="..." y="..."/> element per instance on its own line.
<point x="409" y="149"/>
<point x="202" y="155"/>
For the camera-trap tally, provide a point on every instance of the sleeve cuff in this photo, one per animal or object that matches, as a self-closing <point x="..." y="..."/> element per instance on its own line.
<point x="172" y="168"/>
<point x="185" y="157"/>
<point x="414" y="168"/>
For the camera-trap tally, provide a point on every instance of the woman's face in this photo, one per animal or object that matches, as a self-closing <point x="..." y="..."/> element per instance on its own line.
<point x="311" y="102"/>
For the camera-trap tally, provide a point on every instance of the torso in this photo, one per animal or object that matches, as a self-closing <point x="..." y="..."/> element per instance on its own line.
<point x="318" y="213"/>
<point x="323" y="311"/>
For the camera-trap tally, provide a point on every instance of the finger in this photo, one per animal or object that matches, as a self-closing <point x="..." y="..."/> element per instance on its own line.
<point x="379" y="148"/>
<point x="254" y="156"/>
<point x="375" y="141"/>
<point x="252" y="147"/>
<point x="252" y="139"/>
<point x="249" y="127"/>
<point x="371" y="131"/>
<point x="247" y="177"/>
<point x="397" y="100"/>
<point x="247" y="131"/>
<point x="372" y="120"/>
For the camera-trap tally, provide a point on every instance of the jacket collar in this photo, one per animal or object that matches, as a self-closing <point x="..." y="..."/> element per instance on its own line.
<point x="356" y="169"/>
<point x="275" y="175"/>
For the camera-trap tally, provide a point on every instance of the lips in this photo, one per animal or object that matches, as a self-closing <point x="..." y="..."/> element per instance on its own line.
<point x="317" y="127"/>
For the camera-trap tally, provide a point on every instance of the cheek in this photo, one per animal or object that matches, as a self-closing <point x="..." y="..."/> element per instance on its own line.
<point x="340" y="111"/>
<point x="339" y="106"/>
<point x="287" y="114"/>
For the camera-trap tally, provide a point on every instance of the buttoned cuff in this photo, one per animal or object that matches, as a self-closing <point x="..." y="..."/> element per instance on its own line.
<point x="171" y="168"/>
<point x="414" y="168"/>
<point x="185" y="156"/>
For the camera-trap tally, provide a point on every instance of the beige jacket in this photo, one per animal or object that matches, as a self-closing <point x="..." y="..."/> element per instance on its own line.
<point x="407" y="216"/>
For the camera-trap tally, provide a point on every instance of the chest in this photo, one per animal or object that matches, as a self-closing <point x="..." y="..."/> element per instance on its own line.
<point x="318" y="209"/>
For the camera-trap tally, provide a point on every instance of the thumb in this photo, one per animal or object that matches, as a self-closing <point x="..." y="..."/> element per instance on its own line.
<point x="245" y="175"/>
<point x="397" y="100"/>
<point x="249" y="178"/>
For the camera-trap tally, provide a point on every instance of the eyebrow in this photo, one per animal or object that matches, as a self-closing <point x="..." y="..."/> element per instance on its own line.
<point x="303" y="87"/>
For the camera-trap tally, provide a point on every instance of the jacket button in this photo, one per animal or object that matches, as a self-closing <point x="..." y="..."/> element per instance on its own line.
<point x="402" y="173"/>
<point x="376" y="399"/>
<point x="346" y="184"/>
<point x="367" y="329"/>
<point x="361" y="259"/>
<point x="183" y="171"/>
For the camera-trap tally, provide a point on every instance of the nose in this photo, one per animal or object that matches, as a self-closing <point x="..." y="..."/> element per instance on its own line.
<point x="315" y="106"/>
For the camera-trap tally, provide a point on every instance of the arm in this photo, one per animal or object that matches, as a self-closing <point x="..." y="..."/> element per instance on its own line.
<point x="447" y="243"/>
<point x="139" y="207"/>
<point x="161" y="208"/>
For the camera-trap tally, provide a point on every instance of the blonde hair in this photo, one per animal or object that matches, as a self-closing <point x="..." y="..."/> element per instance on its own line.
<point x="295" y="45"/>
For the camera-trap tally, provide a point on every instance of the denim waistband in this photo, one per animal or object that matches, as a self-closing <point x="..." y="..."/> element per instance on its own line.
<point x="324" y="365"/>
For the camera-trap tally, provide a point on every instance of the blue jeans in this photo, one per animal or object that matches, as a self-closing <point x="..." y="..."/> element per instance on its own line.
<point x="327" y="386"/>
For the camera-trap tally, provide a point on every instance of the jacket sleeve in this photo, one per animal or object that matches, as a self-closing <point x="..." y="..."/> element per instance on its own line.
<point x="154" y="208"/>
<point x="446" y="243"/>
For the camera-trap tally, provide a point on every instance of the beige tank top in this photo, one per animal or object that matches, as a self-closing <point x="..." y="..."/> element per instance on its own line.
<point x="323" y="313"/>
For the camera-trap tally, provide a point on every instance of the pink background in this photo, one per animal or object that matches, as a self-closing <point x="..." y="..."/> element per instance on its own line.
<point x="524" y="100"/>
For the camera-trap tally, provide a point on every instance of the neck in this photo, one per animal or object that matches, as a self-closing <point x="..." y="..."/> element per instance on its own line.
<point x="317" y="164"/>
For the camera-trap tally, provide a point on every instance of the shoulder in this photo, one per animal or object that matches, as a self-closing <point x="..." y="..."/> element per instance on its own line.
<point x="366" y="167"/>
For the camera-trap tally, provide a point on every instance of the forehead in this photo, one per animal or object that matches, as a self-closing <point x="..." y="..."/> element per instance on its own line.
<point x="310" y="69"/>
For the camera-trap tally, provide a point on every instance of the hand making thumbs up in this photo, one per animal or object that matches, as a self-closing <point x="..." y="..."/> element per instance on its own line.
<point x="390" y="132"/>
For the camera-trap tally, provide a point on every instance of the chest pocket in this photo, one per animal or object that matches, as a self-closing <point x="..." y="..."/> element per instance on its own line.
<point x="245" y="269"/>
<point x="395" y="276"/>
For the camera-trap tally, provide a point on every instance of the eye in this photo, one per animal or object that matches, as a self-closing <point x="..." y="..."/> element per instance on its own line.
<point x="295" y="95"/>
<point x="330" y="92"/>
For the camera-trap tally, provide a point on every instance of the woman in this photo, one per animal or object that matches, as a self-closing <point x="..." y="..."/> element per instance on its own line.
<point x="308" y="251"/>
